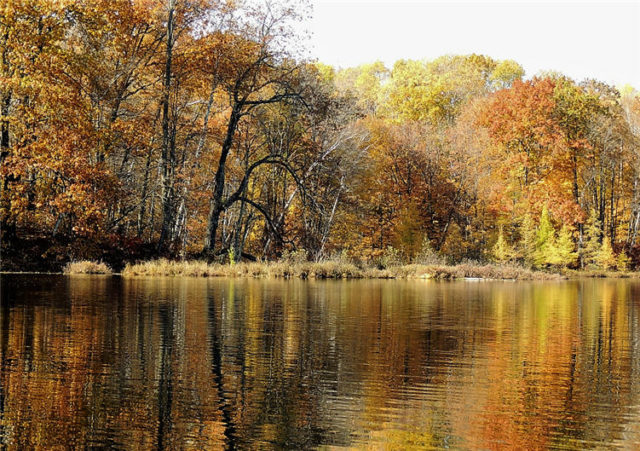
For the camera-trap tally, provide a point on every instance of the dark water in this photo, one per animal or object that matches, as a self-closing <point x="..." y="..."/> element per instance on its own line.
<point x="253" y="364"/>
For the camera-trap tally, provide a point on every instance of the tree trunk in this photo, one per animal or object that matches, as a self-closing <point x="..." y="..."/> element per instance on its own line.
<point x="4" y="127"/>
<point x="217" y="202"/>
<point x="7" y="229"/>
<point x="168" y="138"/>
<point x="144" y="195"/>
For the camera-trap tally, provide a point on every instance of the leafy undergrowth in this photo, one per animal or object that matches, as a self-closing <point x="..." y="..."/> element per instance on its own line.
<point x="86" y="267"/>
<point x="333" y="270"/>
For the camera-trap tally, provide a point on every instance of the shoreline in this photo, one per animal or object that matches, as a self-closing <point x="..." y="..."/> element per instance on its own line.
<point x="333" y="270"/>
<point x="306" y="270"/>
<point x="471" y="272"/>
<point x="550" y="278"/>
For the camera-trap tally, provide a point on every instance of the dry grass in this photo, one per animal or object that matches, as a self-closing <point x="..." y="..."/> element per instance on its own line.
<point x="469" y="270"/>
<point x="332" y="270"/>
<point x="600" y="273"/>
<point x="86" y="267"/>
<point x="162" y="267"/>
<point x="505" y="272"/>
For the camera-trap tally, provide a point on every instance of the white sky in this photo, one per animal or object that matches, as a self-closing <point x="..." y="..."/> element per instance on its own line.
<point x="581" y="39"/>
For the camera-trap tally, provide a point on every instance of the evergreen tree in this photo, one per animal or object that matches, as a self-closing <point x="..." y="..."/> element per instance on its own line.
<point x="545" y="243"/>
<point x="527" y="240"/>
<point x="564" y="252"/>
<point x="623" y="261"/>
<point x="592" y="240"/>
<point x="605" y="258"/>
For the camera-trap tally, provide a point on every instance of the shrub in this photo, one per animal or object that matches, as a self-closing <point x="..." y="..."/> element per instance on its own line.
<point x="426" y="255"/>
<point x="295" y="257"/>
<point x="390" y="257"/>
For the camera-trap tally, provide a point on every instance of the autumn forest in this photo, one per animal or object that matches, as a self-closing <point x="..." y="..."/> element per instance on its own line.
<point x="133" y="129"/>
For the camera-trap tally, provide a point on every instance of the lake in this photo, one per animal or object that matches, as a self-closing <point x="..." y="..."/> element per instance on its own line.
<point x="181" y="363"/>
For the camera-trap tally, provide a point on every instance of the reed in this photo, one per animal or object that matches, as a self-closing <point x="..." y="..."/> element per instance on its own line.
<point x="600" y="273"/>
<point x="86" y="267"/>
<point x="330" y="269"/>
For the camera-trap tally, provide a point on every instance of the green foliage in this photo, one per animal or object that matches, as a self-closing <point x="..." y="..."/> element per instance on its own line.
<point x="232" y="256"/>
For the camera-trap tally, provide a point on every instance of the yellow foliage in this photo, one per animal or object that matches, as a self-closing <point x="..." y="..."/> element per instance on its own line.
<point x="605" y="258"/>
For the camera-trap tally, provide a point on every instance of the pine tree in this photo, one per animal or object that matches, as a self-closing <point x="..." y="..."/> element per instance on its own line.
<point x="545" y="243"/>
<point x="592" y="240"/>
<point x="605" y="258"/>
<point x="564" y="252"/>
<point x="623" y="261"/>
<point x="527" y="240"/>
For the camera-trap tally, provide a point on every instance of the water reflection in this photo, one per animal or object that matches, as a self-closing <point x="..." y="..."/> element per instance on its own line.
<point x="198" y="364"/>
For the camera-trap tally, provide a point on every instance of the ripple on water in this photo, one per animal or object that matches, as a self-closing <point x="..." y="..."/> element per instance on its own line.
<point x="196" y="363"/>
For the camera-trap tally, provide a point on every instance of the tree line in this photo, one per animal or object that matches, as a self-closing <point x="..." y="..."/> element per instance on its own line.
<point x="199" y="128"/>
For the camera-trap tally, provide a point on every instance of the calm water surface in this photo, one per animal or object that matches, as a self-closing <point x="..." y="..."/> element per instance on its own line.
<point x="216" y="363"/>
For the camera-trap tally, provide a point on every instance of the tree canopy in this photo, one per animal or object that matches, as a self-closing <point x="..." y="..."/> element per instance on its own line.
<point x="198" y="128"/>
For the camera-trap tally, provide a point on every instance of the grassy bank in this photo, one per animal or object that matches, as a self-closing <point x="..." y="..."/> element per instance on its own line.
<point x="599" y="274"/>
<point x="333" y="270"/>
<point x="86" y="267"/>
<point x="337" y="270"/>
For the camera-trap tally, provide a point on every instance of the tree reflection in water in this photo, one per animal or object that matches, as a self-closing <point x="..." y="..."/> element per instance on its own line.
<point x="209" y="363"/>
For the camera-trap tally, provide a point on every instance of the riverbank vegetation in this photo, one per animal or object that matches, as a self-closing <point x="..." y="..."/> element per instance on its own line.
<point x="334" y="270"/>
<point x="86" y="267"/>
<point x="135" y="130"/>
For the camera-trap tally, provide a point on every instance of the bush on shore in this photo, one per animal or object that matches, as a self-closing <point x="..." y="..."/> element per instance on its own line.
<point x="86" y="267"/>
